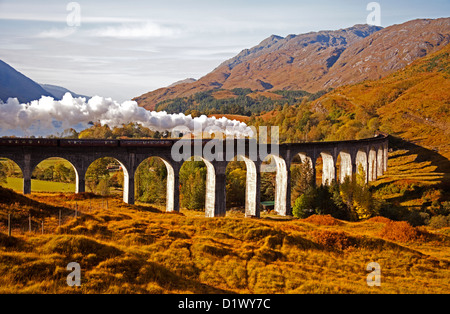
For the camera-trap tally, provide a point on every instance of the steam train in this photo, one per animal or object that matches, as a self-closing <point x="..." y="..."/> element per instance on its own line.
<point x="82" y="142"/>
<point x="88" y="142"/>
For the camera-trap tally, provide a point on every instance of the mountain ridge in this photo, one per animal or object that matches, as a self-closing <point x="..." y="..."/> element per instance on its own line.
<point x="318" y="60"/>
<point x="15" y="84"/>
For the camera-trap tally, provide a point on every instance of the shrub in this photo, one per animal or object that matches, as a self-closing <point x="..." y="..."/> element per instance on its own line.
<point x="333" y="239"/>
<point x="440" y="221"/>
<point x="323" y="220"/>
<point x="379" y="219"/>
<point x="401" y="231"/>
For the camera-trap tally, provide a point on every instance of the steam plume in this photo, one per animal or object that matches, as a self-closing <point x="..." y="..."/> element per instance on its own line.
<point x="46" y="116"/>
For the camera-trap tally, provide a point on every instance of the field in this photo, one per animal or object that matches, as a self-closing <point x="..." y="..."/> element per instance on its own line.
<point x="39" y="185"/>
<point x="140" y="249"/>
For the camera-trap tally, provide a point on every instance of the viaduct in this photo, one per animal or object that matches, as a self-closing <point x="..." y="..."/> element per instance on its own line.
<point x="371" y="154"/>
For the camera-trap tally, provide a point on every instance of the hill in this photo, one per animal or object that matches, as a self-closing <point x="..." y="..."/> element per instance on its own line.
<point x="58" y="92"/>
<point x="15" y="84"/>
<point x="412" y="103"/>
<point x="317" y="60"/>
<point x="138" y="249"/>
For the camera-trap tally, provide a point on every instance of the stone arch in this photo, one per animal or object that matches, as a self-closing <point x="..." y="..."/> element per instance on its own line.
<point x="10" y="164"/>
<point x="252" y="186"/>
<point x="128" y="177"/>
<point x="362" y="162"/>
<point x="210" y="189"/>
<point x="380" y="161"/>
<point x="372" y="160"/>
<point x="171" y="203"/>
<point x="37" y="162"/>
<point x="345" y="165"/>
<point x="281" y="185"/>
<point x="328" y="167"/>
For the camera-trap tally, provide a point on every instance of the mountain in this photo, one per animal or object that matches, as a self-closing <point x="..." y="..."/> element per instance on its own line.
<point x="411" y="103"/>
<point x="188" y="80"/>
<point x="15" y="84"/>
<point x="59" y="91"/>
<point x="318" y="60"/>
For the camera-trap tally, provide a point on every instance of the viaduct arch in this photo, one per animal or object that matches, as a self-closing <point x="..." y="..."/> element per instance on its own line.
<point x="371" y="154"/>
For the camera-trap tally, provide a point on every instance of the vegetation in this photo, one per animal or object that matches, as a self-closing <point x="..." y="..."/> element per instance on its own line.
<point x="138" y="249"/>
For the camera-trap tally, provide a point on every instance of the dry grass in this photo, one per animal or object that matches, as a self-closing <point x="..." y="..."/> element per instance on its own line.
<point x="139" y="249"/>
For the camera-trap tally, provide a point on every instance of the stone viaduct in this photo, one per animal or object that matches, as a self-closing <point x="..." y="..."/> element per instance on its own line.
<point x="370" y="153"/>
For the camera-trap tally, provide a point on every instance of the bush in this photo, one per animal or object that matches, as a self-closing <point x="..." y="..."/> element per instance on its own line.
<point x="301" y="208"/>
<point x="401" y="231"/>
<point x="323" y="220"/>
<point x="440" y="221"/>
<point x="333" y="239"/>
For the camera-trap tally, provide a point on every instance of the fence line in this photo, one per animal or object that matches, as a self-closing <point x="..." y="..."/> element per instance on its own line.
<point x="11" y="227"/>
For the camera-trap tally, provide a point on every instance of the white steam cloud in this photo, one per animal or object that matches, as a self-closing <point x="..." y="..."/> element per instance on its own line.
<point x="47" y="116"/>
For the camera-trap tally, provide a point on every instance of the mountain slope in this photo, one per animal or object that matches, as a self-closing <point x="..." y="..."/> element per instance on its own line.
<point x="318" y="60"/>
<point x="412" y="103"/>
<point x="15" y="84"/>
<point x="59" y="91"/>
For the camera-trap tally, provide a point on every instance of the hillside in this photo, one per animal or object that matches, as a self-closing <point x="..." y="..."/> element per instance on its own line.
<point x="412" y="103"/>
<point x="139" y="249"/>
<point x="58" y="92"/>
<point x="15" y="84"/>
<point x="318" y="60"/>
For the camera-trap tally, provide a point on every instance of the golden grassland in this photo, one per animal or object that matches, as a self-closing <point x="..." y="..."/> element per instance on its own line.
<point x="140" y="249"/>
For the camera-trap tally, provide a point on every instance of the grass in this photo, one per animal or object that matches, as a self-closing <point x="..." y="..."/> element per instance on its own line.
<point x="39" y="185"/>
<point x="140" y="249"/>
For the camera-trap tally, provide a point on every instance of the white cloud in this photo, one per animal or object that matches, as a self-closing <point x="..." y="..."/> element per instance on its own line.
<point x="133" y="31"/>
<point x="57" y="32"/>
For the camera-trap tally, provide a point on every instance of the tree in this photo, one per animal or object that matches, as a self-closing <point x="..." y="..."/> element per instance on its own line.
<point x="236" y="181"/>
<point x="301" y="178"/>
<point x="98" y="170"/>
<point x="2" y="173"/>
<point x="151" y="179"/>
<point x="193" y="185"/>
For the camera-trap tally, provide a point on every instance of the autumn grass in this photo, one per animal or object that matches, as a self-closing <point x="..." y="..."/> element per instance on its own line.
<point x="140" y="249"/>
<point x="39" y="185"/>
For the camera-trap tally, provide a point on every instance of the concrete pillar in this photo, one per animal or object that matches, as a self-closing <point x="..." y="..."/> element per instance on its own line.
<point x="361" y="159"/>
<point x="173" y="187"/>
<point x="288" y="191"/>
<point x="128" y="187"/>
<point x="328" y="170"/>
<point x="252" y="188"/>
<point x="27" y="174"/>
<point x="80" y="183"/>
<point x="314" y="172"/>
<point x="380" y="161"/>
<point x="215" y="200"/>
<point x="281" y="180"/>
<point x="210" y="197"/>
<point x="372" y="165"/>
<point x="346" y="168"/>
<point x="220" y="209"/>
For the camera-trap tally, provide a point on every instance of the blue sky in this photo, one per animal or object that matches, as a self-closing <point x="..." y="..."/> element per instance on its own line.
<point x="123" y="49"/>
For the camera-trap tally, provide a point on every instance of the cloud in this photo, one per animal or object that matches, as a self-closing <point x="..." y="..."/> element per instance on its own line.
<point x="133" y="31"/>
<point x="47" y="116"/>
<point x="57" y="32"/>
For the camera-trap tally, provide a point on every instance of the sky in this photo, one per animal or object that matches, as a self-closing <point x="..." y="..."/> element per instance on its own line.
<point x="123" y="49"/>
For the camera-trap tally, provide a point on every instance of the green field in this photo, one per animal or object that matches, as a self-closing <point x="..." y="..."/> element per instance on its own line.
<point x="39" y="186"/>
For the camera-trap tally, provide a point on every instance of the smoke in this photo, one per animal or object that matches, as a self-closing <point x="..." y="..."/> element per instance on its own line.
<point x="47" y="116"/>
